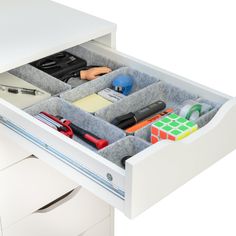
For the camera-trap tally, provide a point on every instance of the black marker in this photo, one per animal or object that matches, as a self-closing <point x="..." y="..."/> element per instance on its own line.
<point x="133" y="118"/>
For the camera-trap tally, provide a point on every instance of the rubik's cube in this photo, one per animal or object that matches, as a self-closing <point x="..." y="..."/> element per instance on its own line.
<point x="172" y="127"/>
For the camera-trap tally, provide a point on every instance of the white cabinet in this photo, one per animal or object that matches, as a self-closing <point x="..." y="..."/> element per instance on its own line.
<point x="26" y="187"/>
<point x="104" y="228"/>
<point x="72" y="215"/>
<point x="11" y="153"/>
<point x="149" y="175"/>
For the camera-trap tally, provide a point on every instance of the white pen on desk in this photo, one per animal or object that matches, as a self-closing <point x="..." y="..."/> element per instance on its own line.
<point x="17" y="90"/>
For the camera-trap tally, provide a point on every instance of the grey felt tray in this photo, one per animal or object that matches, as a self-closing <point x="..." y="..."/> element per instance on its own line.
<point x="146" y="90"/>
<point x="206" y="118"/>
<point x="128" y="146"/>
<point x="145" y="132"/>
<point x="40" y="79"/>
<point x="140" y="81"/>
<point x="92" y="59"/>
<point x="58" y="107"/>
<point x="173" y="96"/>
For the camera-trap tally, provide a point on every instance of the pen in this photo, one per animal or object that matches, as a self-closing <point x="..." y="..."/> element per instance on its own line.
<point x="17" y="90"/>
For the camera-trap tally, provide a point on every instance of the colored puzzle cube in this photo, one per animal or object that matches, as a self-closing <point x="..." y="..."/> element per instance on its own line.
<point x="172" y="127"/>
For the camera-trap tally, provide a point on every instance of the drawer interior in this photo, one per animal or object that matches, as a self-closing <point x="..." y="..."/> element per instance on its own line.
<point x="147" y="88"/>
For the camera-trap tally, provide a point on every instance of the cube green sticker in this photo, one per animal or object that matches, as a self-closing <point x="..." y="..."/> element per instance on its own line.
<point x="159" y="124"/>
<point x="183" y="128"/>
<point x="174" y="124"/>
<point x="181" y="120"/>
<point x="190" y="124"/>
<point x="166" y="120"/>
<point x="173" y="116"/>
<point x="167" y="128"/>
<point x="175" y="132"/>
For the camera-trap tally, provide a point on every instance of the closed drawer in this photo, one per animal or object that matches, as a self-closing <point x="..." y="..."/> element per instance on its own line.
<point x="70" y="215"/>
<point x="11" y="153"/>
<point x="152" y="173"/>
<point x="27" y="186"/>
<point x="104" y="228"/>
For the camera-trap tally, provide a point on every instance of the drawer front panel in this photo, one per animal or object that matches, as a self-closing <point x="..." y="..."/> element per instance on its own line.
<point x="27" y="186"/>
<point x="104" y="228"/>
<point x="10" y="153"/>
<point x="71" y="216"/>
<point x="169" y="165"/>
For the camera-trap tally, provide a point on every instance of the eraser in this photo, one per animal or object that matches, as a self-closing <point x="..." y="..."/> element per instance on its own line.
<point x="111" y="95"/>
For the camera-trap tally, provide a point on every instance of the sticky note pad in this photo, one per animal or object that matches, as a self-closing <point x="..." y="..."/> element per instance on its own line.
<point x="19" y="99"/>
<point x="92" y="103"/>
<point x="172" y="127"/>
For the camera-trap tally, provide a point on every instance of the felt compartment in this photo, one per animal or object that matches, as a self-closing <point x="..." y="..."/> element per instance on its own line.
<point x="145" y="132"/>
<point x="206" y="118"/>
<point x="40" y="79"/>
<point x="140" y="81"/>
<point x="58" y="107"/>
<point x="128" y="146"/>
<point x="92" y="58"/>
<point x="171" y="95"/>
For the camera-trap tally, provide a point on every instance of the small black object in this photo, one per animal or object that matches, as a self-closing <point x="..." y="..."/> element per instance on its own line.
<point x="124" y="159"/>
<point x="12" y="90"/>
<point x="61" y="64"/>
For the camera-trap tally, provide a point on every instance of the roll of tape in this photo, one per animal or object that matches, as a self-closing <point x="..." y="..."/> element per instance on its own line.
<point x="191" y="111"/>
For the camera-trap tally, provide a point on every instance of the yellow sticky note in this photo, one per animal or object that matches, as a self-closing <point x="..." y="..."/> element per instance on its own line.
<point x="92" y="103"/>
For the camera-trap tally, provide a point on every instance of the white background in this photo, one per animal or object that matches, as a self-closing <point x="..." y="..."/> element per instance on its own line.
<point x="195" y="39"/>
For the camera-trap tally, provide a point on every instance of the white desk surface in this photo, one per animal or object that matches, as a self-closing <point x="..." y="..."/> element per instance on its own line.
<point x="33" y="29"/>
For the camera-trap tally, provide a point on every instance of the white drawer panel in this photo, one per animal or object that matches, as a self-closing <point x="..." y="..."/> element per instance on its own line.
<point x="27" y="186"/>
<point x="150" y="175"/>
<point x="104" y="228"/>
<point x="11" y="153"/>
<point x="71" y="216"/>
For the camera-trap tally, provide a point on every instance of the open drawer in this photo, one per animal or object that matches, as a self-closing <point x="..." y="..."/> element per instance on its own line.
<point x="149" y="175"/>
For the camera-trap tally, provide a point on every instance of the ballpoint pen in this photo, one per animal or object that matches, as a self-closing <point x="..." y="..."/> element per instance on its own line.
<point x="17" y="90"/>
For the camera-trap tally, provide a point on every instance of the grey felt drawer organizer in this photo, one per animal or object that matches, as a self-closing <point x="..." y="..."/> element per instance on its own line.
<point x="128" y="146"/>
<point x="59" y="107"/>
<point x="141" y="81"/>
<point x="146" y="90"/>
<point x="40" y="79"/>
<point x="92" y="59"/>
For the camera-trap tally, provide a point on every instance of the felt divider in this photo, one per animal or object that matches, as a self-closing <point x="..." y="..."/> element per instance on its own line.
<point x="171" y="95"/>
<point x="204" y="119"/>
<point x="92" y="58"/>
<point x="141" y="81"/>
<point x="58" y="107"/>
<point x="145" y="132"/>
<point x="40" y="79"/>
<point x="128" y="146"/>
